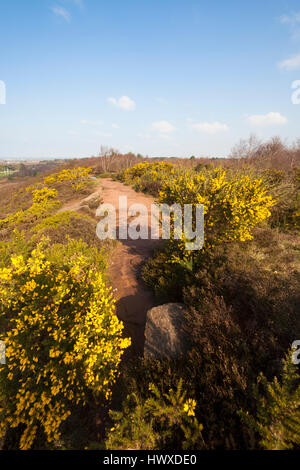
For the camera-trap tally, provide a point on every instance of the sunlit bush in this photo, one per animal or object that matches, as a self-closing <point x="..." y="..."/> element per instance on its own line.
<point x="63" y="341"/>
<point x="78" y="177"/>
<point x="148" y="177"/>
<point x="44" y="201"/>
<point x="233" y="203"/>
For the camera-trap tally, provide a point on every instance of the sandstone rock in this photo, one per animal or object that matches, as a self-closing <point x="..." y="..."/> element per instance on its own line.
<point x="164" y="334"/>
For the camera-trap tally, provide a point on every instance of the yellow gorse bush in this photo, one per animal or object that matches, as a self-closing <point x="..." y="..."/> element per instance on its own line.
<point x="233" y="203"/>
<point x="62" y="339"/>
<point x="152" y="170"/>
<point x="147" y="177"/>
<point x="44" y="201"/>
<point x="78" y="177"/>
<point x="44" y="197"/>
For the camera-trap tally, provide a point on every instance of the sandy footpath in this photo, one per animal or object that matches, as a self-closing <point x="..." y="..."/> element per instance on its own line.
<point x="133" y="298"/>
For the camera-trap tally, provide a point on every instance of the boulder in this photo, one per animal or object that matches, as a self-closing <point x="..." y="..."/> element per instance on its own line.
<point x="164" y="334"/>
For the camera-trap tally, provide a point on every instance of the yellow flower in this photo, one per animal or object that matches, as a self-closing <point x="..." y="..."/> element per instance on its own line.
<point x="82" y="346"/>
<point x="189" y="407"/>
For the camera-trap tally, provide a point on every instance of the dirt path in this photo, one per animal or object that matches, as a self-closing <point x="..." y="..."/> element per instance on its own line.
<point x="77" y="204"/>
<point x="133" y="298"/>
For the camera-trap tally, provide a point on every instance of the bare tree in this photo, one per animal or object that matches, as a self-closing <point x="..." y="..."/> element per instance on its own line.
<point x="246" y="148"/>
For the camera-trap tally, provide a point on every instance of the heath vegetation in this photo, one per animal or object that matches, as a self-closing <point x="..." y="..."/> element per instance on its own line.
<point x="65" y="385"/>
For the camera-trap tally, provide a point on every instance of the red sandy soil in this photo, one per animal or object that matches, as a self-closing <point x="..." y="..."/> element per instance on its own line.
<point x="133" y="298"/>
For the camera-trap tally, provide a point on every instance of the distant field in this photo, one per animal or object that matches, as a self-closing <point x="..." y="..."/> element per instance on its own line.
<point x="3" y="174"/>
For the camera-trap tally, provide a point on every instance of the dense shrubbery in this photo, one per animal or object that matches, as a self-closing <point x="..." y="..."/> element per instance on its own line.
<point x="242" y="294"/>
<point x="78" y="177"/>
<point x="148" y="177"/>
<point x="233" y="205"/>
<point x="286" y="190"/>
<point x="171" y="182"/>
<point x="62" y="340"/>
<point x="277" y="420"/>
<point x="161" y="421"/>
<point x="43" y="202"/>
<point x="64" y="343"/>
<point x="60" y="187"/>
<point x="243" y="301"/>
<point x="39" y="215"/>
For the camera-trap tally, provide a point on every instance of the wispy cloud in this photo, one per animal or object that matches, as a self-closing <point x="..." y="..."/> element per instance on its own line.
<point x="163" y="127"/>
<point x="292" y="63"/>
<point x="124" y="102"/>
<point x="293" y="21"/>
<point x="269" y="119"/>
<point x="115" y="126"/>
<point x="210" y="127"/>
<point x="62" y="12"/>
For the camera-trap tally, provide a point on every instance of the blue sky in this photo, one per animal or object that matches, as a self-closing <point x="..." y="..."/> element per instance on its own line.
<point x="159" y="77"/>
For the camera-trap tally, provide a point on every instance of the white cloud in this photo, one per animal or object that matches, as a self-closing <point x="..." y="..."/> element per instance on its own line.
<point x="210" y="127"/>
<point x="163" y="127"/>
<point x="269" y="119"/>
<point x="292" y="63"/>
<point x="115" y="126"/>
<point x="124" y="103"/>
<point x="62" y="12"/>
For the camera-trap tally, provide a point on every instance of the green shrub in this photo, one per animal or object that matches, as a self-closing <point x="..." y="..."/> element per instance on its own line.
<point x="160" y="422"/>
<point x="242" y="301"/>
<point x="55" y="220"/>
<point x="277" y="419"/>
<point x="166" y="279"/>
